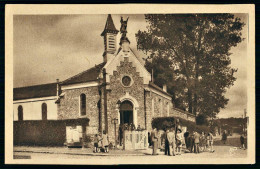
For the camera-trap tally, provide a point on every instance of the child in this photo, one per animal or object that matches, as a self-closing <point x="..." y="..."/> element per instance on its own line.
<point x="96" y="143"/>
<point x="99" y="142"/>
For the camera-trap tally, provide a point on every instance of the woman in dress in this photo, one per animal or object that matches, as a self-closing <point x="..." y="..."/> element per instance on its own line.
<point x="203" y="142"/>
<point x="105" y="141"/>
<point x="179" y="138"/>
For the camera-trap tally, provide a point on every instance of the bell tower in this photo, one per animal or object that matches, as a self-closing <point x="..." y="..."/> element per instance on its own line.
<point x="109" y="34"/>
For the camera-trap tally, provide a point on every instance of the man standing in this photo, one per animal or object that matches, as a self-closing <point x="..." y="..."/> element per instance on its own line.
<point x="154" y="137"/>
<point x="171" y="141"/>
<point x="196" y="142"/>
<point x="166" y="144"/>
<point x="224" y="137"/>
<point x="211" y="142"/>
<point x="186" y="136"/>
<point x="191" y="142"/>
<point x="242" y="141"/>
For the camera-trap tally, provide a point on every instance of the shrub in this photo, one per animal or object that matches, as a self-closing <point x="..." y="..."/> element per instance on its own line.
<point x="162" y="123"/>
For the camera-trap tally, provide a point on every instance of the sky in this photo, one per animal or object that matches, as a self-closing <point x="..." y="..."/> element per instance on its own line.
<point x="50" y="47"/>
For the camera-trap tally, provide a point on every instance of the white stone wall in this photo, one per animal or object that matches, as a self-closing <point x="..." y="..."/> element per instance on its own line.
<point x="32" y="110"/>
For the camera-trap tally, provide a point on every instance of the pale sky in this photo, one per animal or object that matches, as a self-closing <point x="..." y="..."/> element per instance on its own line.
<point x="47" y="47"/>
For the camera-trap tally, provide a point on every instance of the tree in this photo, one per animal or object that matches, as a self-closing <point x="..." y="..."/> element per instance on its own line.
<point x="197" y="49"/>
<point x="201" y="119"/>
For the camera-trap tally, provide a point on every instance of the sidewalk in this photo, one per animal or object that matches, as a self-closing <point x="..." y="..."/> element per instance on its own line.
<point x="79" y="151"/>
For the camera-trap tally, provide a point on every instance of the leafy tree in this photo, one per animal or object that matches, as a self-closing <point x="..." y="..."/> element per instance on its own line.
<point x="201" y="119"/>
<point x="196" y="51"/>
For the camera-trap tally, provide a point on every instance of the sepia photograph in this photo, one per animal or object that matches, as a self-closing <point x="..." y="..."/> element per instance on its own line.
<point x="110" y="85"/>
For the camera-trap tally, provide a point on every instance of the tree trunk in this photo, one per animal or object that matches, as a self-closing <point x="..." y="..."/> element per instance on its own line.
<point x="195" y="104"/>
<point x="190" y="100"/>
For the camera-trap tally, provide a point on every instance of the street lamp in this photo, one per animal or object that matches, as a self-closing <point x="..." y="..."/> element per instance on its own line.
<point x="115" y="121"/>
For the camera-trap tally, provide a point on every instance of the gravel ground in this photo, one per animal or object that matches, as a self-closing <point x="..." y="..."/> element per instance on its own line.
<point x="145" y="157"/>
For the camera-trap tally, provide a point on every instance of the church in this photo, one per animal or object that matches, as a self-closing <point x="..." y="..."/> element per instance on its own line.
<point x="117" y="91"/>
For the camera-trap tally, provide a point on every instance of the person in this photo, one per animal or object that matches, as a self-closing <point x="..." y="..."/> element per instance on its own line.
<point x="149" y="139"/>
<point x="139" y="128"/>
<point x="166" y="143"/>
<point x="154" y="137"/>
<point x="224" y="137"/>
<point x="105" y="141"/>
<point x="242" y="141"/>
<point x="207" y="139"/>
<point x="192" y="144"/>
<point x="186" y="136"/>
<point x="171" y="141"/>
<point x="96" y="143"/>
<point x="132" y="127"/>
<point x="179" y="138"/>
<point x="99" y="138"/>
<point x="203" y="141"/>
<point x="211" y="142"/>
<point x="121" y="132"/>
<point x="126" y="127"/>
<point x="196" y="142"/>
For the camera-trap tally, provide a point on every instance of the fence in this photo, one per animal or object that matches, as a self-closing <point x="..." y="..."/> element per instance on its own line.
<point x="135" y="140"/>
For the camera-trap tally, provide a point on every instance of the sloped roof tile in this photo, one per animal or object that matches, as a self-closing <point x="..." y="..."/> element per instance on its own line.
<point x="86" y="76"/>
<point x="37" y="91"/>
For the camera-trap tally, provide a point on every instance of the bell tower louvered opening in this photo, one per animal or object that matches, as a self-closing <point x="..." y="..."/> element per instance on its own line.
<point x="109" y="34"/>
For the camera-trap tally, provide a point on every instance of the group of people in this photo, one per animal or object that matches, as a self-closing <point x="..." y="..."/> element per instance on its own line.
<point x="196" y="143"/>
<point x="101" y="142"/>
<point x="175" y="139"/>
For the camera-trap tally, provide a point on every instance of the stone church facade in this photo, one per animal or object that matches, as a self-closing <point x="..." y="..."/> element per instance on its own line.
<point x="119" y="89"/>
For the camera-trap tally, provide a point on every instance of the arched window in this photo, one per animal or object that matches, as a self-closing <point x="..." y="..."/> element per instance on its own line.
<point x="82" y="104"/>
<point x="20" y="113"/>
<point x="44" y="111"/>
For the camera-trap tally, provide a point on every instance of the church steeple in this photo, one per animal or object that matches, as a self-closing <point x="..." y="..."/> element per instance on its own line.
<point x="109" y="35"/>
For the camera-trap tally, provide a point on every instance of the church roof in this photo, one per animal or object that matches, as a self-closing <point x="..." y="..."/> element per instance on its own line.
<point x="109" y="27"/>
<point x="37" y="91"/>
<point x="151" y="84"/>
<point x="86" y="76"/>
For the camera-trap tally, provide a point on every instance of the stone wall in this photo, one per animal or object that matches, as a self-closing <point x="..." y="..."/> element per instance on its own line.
<point x="157" y="106"/>
<point x="40" y="133"/>
<point x="184" y="115"/>
<point x="69" y="106"/>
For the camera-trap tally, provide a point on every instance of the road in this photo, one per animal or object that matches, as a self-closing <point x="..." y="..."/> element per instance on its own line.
<point x="223" y="153"/>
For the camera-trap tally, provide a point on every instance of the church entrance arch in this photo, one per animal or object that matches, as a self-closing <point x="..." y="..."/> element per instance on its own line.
<point x="130" y="104"/>
<point x="126" y="112"/>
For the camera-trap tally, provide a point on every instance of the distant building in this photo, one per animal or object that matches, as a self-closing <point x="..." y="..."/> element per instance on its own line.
<point x="118" y="88"/>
